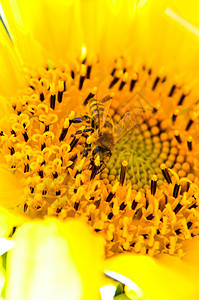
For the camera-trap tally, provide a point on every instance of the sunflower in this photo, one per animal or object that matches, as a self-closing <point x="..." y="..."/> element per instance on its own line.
<point x="99" y="154"/>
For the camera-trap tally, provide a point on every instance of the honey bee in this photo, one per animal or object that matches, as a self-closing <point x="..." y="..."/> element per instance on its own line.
<point x="103" y="135"/>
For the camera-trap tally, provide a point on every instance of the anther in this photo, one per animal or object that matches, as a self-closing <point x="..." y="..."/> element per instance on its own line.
<point x="73" y="143"/>
<point x="12" y="151"/>
<point x="90" y="96"/>
<point x="123" y="206"/>
<point x="176" y="190"/>
<point x="133" y="81"/>
<point x="43" y="146"/>
<point x="153" y="184"/>
<point x="25" y="135"/>
<point x="88" y="72"/>
<point x="52" y="97"/>
<point x="95" y="170"/>
<point x="166" y="174"/>
<point x="189" y="124"/>
<point x="60" y="91"/>
<point x="113" y="82"/>
<point x="123" y="171"/>
<point x="72" y="74"/>
<point x="134" y="204"/>
<point x="112" y="193"/>
<point x="172" y="90"/>
<point x="26" y="168"/>
<point x="181" y="100"/>
<point x="189" y="224"/>
<point x="189" y="143"/>
<point x="12" y="132"/>
<point x="177" y="136"/>
<point x="150" y="217"/>
<point x="113" y="71"/>
<point x="122" y="84"/>
<point x="41" y="97"/>
<point x="174" y="117"/>
<point x="110" y="215"/>
<point x="63" y="134"/>
<point x="110" y="197"/>
<point x="155" y="83"/>
<point x="25" y="207"/>
<point x="76" y="205"/>
<point x="82" y="76"/>
<point x="177" y="208"/>
<point x="41" y="173"/>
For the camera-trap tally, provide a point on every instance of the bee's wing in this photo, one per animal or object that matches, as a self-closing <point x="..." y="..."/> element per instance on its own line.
<point x="137" y="106"/>
<point x="127" y="123"/>
<point x="138" y="100"/>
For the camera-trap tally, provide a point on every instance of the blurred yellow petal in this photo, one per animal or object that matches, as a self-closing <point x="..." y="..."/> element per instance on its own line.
<point x="11" y="77"/>
<point x="52" y="260"/>
<point x="164" y="42"/>
<point x="164" y="278"/>
<point x="11" y="189"/>
<point x="60" y="36"/>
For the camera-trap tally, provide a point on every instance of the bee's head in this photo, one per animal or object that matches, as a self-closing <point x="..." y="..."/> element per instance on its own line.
<point x="101" y="154"/>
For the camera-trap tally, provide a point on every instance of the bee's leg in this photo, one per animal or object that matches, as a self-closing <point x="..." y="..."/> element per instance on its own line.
<point x="87" y="149"/>
<point x="102" y="167"/>
<point x="84" y="118"/>
<point x="78" y="134"/>
<point x="95" y="170"/>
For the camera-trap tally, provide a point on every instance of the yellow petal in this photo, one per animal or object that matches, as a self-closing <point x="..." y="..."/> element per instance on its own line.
<point x="48" y="29"/>
<point x="11" y="72"/>
<point x="169" y="278"/>
<point x="167" y="36"/>
<point x="54" y="260"/>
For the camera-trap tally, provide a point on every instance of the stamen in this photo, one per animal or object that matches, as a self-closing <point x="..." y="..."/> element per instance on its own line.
<point x="178" y="206"/>
<point x="124" y="80"/>
<point x="133" y="81"/>
<point x="76" y="205"/>
<point x="176" y="190"/>
<point x="189" y="143"/>
<point x="177" y="136"/>
<point x="60" y="91"/>
<point x="153" y="184"/>
<point x="52" y="97"/>
<point x="113" y="82"/>
<point x="113" y="71"/>
<point x="174" y="117"/>
<point x="172" y="90"/>
<point x="189" y="124"/>
<point x="41" y="97"/>
<point x="123" y="171"/>
<point x="165" y="172"/>
<point x="88" y="72"/>
<point x="63" y="134"/>
<point x="82" y="76"/>
<point x="25" y="135"/>
<point x="90" y="96"/>
<point x="112" y="193"/>
<point x="73" y="143"/>
<point x="155" y="83"/>
<point x="181" y="100"/>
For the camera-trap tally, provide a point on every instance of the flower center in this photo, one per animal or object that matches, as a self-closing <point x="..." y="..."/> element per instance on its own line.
<point x="145" y="149"/>
<point x="143" y="198"/>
